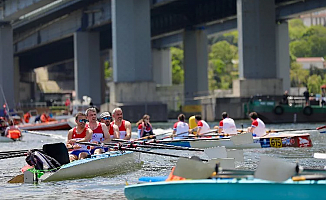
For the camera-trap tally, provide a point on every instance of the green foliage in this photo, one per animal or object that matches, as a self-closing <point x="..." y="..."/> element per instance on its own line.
<point x="306" y="42"/>
<point x="107" y="70"/>
<point x="298" y="75"/>
<point x="177" y="66"/>
<point x="314" y="83"/>
<point x="220" y="65"/>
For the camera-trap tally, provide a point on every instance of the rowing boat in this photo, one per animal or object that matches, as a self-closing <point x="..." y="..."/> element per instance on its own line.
<point x="108" y="163"/>
<point x="276" y="140"/>
<point x="6" y="139"/>
<point x="227" y="189"/>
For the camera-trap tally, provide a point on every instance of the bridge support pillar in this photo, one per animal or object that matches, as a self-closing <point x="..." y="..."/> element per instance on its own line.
<point x="131" y="46"/>
<point x="7" y="72"/>
<point x="195" y="65"/>
<point x="162" y="71"/>
<point x="283" y="54"/>
<point x="257" y="49"/>
<point x="87" y="66"/>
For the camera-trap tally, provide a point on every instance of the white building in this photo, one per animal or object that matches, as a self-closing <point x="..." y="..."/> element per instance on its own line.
<point x="306" y="63"/>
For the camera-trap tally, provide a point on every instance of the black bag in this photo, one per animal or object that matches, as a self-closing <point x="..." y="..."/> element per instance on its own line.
<point x="41" y="161"/>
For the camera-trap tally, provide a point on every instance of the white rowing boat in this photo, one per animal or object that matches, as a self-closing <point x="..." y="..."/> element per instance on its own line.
<point x="108" y="163"/>
<point x="276" y="140"/>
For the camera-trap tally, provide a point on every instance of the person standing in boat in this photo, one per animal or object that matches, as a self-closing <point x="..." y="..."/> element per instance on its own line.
<point x="123" y="125"/>
<point x="257" y="127"/>
<point x="226" y="125"/>
<point x="144" y="127"/>
<point x="180" y="128"/>
<point x="100" y="131"/>
<point x="202" y="126"/>
<point x="106" y="118"/>
<point x="80" y="133"/>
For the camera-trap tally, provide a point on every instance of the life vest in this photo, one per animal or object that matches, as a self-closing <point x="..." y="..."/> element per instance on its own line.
<point x="172" y="177"/>
<point x="44" y="118"/>
<point x="14" y="133"/>
<point x="27" y="116"/>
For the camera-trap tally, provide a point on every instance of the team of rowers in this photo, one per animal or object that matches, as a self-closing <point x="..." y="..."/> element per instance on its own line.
<point x="89" y="129"/>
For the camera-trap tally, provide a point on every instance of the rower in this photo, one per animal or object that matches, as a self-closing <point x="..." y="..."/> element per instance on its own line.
<point x="100" y="131"/>
<point x="123" y="125"/>
<point x="80" y="133"/>
<point x="226" y="125"/>
<point x="180" y="128"/>
<point x="144" y="127"/>
<point x="202" y="126"/>
<point x="257" y="127"/>
<point x="107" y="119"/>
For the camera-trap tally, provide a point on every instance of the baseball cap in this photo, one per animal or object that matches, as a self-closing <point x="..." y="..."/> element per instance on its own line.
<point x="105" y="114"/>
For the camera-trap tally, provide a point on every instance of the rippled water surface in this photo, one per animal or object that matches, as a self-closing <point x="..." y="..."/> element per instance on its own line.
<point x="111" y="187"/>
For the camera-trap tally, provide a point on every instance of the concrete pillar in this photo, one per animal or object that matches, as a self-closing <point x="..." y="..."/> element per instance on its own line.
<point x="131" y="42"/>
<point x="16" y="80"/>
<point x="162" y="69"/>
<point x="283" y="54"/>
<point x="7" y="79"/>
<point x="195" y="65"/>
<point x="257" y="49"/>
<point x="87" y="66"/>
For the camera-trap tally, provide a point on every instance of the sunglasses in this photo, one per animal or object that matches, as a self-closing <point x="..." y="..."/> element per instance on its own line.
<point x="107" y="118"/>
<point x="83" y="120"/>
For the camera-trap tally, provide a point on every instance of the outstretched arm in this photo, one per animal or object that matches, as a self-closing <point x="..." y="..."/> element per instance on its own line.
<point x="128" y="130"/>
<point x="107" y="137"/>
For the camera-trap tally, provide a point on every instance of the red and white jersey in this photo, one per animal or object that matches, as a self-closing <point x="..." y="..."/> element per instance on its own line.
<point x="122" y="129"/>
<point x="203" y="126"/>
<point x="181" y="129"/>
<point x="98" y="134"/>
<point x="228" y="126"/>
<point x="80" y="136"/>
<point x="259" y="127"/>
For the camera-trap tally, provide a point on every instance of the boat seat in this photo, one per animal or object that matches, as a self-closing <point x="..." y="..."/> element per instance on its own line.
<point x="57" y="151"/>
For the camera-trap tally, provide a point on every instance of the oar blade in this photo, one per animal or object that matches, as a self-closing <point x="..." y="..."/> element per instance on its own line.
<point x="17" y="179"/>
<point x="236" y="154"/>
<point x="320" y="155"/>
<point x="216" y="152"/>
<point x="193" y="169"/>
<point x="245" y="138"/>
<point x="274" y="169"/>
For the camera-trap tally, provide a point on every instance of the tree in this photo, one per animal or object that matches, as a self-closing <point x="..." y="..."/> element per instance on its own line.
<point x="298" y="75"/>
<point x="177" y="65"/>
<point x="314" y="83"/>
<point x="221" y="67"/>
<point x="107" y="70"/>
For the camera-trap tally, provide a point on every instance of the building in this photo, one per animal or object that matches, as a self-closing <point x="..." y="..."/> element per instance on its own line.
<point x="318" y="62"/>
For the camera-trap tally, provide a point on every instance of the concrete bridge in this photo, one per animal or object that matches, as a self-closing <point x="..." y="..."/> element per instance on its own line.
<point x="138" y="35"/>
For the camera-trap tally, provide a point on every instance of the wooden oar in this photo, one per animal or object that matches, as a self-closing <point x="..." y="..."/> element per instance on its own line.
<point x="122" y="148"/>
<point x="44" y="134"/>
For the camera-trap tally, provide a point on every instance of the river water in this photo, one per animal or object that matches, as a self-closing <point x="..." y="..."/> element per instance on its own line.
<point x="111" y="187"/>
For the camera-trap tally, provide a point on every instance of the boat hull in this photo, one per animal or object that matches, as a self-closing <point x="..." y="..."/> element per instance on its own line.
<point x="6" y="139"/>
<point x="273" y="140"/>
<point x="227" y="189"/>
<point x="108" y="163"/>
<point x="55" y="125"/>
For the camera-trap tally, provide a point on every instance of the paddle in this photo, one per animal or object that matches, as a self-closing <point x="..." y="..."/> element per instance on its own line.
<point x="216" y="152"/>
<point x="13" y="154"/>
<point x="45" y="134"/>
<point x="122" y="148"/>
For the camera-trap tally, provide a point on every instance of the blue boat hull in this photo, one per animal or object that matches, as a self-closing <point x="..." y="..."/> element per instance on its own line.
<point x="227" y="189"/>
